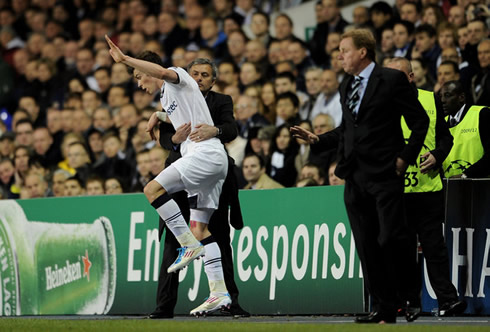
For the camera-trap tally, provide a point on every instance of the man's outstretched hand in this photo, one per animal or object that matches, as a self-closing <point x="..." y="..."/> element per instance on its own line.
<point x="308" y="136"/>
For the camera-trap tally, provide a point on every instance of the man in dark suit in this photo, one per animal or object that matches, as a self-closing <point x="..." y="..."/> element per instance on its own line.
<point x="221" y="109"/>
<point x="373" y="158"/>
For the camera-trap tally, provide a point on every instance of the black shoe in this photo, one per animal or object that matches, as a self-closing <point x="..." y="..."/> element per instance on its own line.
<point x="236" y="311"/>
<point x="375" y="318"/>
<point x="452" y="308"/>
<point x="160" y="315"/>
<point x="412" y="313"/>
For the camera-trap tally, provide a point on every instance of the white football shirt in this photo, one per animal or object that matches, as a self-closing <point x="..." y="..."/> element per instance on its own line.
<point x="185" y="103"/>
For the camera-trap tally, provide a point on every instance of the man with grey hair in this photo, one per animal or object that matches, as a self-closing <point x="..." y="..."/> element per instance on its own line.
<point x="313" y="82"/>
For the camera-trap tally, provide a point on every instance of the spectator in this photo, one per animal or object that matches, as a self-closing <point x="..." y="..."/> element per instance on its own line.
<point x="96" y="146"/>
<point x="7" y="145"/>
<point x="333" y="179"/>
<point x="360" y="16"/>
<point x="411" y="11"/>
<point x="7" y="178"/>
<point x="314" y="172"/>
<point x="283" y="152"/>
<point x="381" y="17"/>
<point x="44" y="147"/>
<point x="115" y="164"/>
<point x="36" y="186"/>
<point x="249" y="74"/>
<point x="58" y="182"/>
<point x="82" y="121"/>
<point x="117" y="97"/>
<point x="328" y="102"/>
<point x="228" y="73"/>
<point x="480" y="83"/>
<point x="333" y="22"/>
<point x="247" y="115"/>
<point x="236" y="44"/>
<point x="254" y="173"/>
<point x="120" y="75"/>
<point x="268" y="100"/>
<point x="287" y="108"/>
<point x="426" y="47"/>
<point x="74" y="186"/>
<point x="22" y="154"/>
<point x="103" y="77"/>
<point x="432" y="15"/>
<point x="402" y="38"/>
<point x="213" y="37"/>
<point x="286" y="82"/>
<point x="91" y="100"/>
<point x="95" y="186"/>
<point x="447" y="71"/>
<point x="477" y="31"/>
<point x="142" y="174"/>
<point x="24" y="133"/>
<point x="102" y="119"/>
<point x="79" y="160"/>
<point x="85" y="62"/>
<point x="158" y="155"/>
<point x="260" y="27"/>
<point x="422" y="80"/>
<point x="313" y="80"/>
<point x="457" y="16"/>
<point x="29" y="104"/>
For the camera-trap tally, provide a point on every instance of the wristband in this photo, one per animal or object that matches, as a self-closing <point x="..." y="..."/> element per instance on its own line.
<point x="162" y="116"/>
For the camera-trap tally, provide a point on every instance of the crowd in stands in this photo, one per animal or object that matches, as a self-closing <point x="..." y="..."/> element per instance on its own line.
<point x="72" y="122"/>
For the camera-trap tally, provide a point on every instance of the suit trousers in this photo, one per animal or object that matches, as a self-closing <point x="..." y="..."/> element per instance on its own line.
<point x="377" y="217"/>
<point x="425" y="217"/>
<point x="168" y="283"/>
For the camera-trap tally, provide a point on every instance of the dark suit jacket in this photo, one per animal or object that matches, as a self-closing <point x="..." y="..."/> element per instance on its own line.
<point x="221" y="110"/>
<point x="371" y="142"/>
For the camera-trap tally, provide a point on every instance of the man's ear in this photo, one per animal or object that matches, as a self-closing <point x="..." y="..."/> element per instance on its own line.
<point x="363" y="52"/>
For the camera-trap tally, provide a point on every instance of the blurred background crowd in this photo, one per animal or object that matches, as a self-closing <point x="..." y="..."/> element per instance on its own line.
<point x="72" y="122"/>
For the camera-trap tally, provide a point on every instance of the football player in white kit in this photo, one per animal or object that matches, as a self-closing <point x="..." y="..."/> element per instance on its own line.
<point x="201" y="171"/>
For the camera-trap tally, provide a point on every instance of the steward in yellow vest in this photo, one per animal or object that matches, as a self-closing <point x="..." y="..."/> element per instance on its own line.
<point x="470" y="126"/>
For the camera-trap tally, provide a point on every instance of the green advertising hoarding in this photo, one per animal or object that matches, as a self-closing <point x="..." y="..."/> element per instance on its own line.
<point x="101" y="255"/>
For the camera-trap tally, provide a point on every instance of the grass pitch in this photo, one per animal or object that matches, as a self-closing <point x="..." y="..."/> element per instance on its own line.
<point x="40" y="324"/>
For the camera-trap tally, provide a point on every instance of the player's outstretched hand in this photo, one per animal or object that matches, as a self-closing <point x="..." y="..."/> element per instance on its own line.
<point x="308" y="136"/>
<point x="115" y="52"/>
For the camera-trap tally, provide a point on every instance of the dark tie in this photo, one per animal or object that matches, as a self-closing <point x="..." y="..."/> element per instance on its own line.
<point x="353" y="98"/>
<point x="452" y="122"/>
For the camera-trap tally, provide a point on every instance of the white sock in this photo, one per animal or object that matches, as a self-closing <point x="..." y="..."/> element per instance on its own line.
<point x="175" y="222"/>
<point x="214" y="269"/>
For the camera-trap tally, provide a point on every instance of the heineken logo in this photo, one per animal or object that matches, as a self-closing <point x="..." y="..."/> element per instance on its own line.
<point x="86" y="265"/>
<point x="58" y="276"/>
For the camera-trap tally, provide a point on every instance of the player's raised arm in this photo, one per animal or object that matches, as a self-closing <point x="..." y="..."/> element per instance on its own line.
<point x="146" y="67"/>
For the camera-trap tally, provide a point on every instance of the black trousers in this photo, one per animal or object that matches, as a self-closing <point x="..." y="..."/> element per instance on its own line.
<point x="425" y="217"/>
<point x="168" y="283"/>
<point x="377" y="216"/>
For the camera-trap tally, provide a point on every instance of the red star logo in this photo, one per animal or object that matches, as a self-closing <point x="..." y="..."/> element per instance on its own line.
<point x="86" y="266"/>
